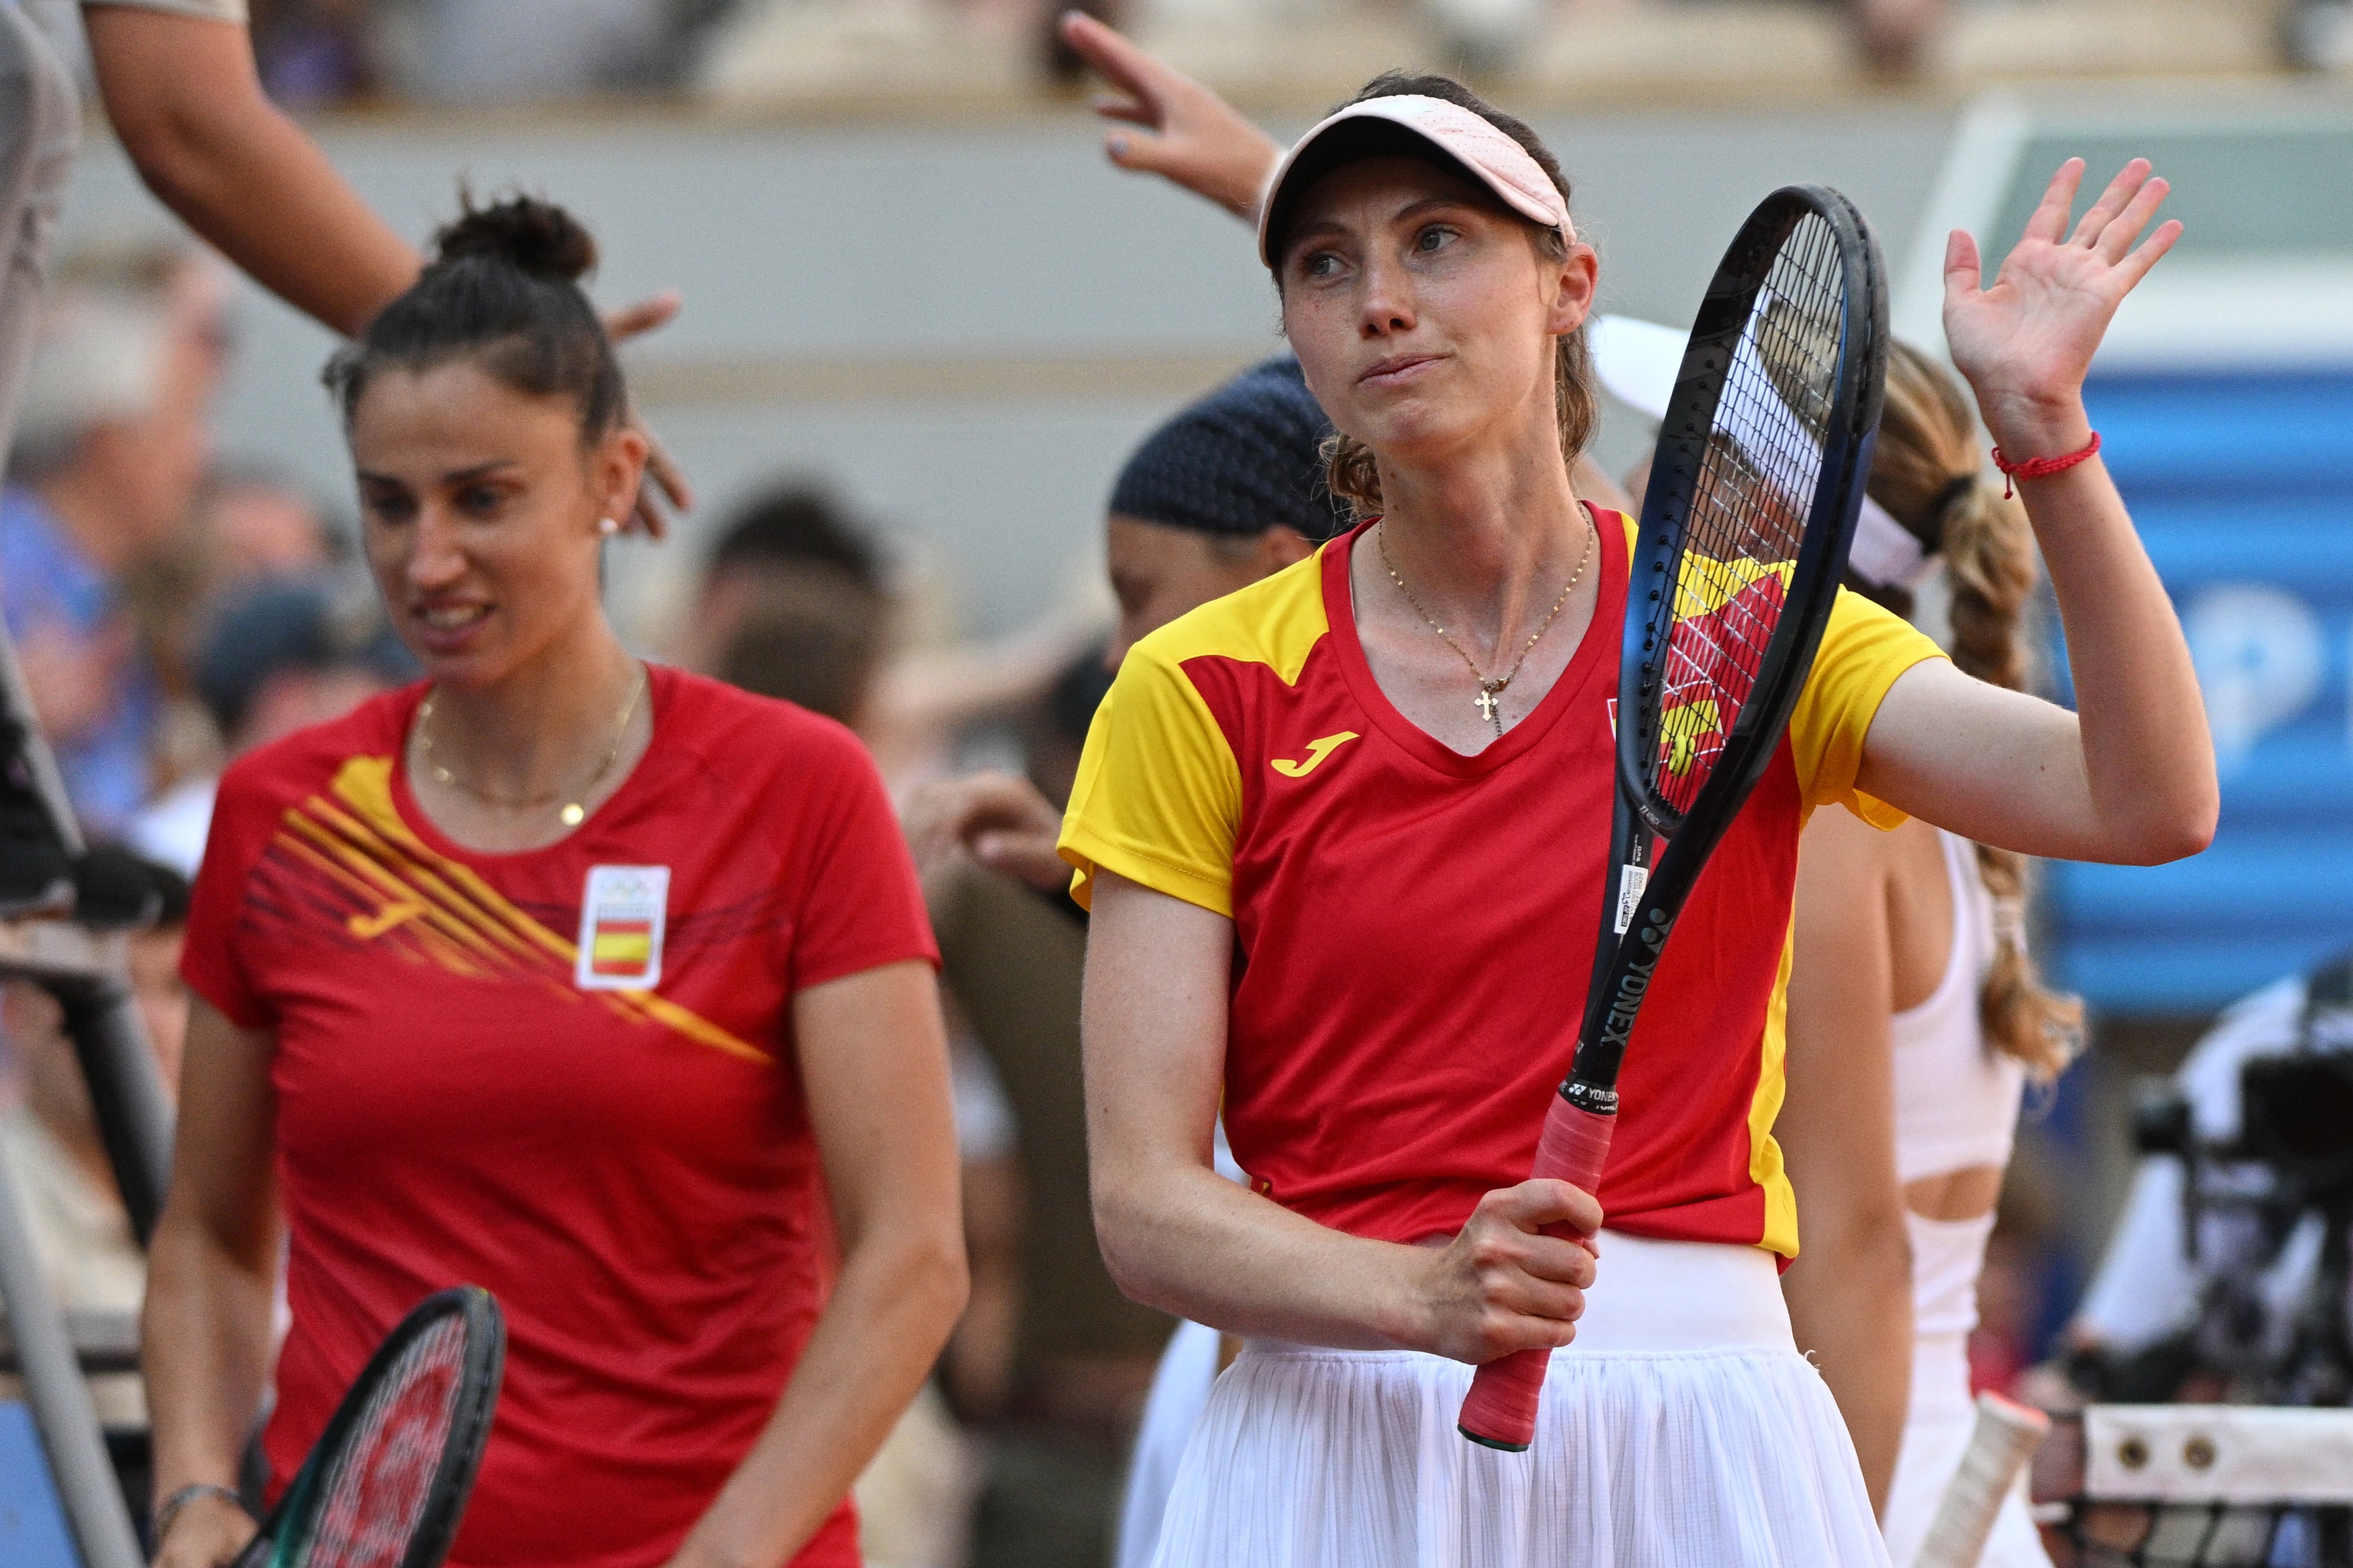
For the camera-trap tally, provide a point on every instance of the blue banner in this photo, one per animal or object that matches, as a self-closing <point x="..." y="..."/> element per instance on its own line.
<point x="2243" y="488"/>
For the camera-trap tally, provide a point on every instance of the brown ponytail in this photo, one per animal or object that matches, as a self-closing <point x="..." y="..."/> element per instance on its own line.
<point x="1929" y="475"/>
<point x="1350" y="471"/>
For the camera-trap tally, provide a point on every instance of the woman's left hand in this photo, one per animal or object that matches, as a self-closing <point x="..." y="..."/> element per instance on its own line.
<point x="2026" y="343"/>
<point x="661" y="468"/>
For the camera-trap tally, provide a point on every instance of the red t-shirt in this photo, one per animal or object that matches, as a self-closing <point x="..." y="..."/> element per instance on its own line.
<point x="1414" y="927"/>
<point x="614" y="1143"/>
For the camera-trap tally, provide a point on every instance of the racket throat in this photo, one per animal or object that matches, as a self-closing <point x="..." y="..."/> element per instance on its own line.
<point x="1633" y="878"/>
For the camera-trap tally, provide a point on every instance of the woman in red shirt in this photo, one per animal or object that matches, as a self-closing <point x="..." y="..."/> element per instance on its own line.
<point x="1343" y="831"/>
<point x="599" y="985"/>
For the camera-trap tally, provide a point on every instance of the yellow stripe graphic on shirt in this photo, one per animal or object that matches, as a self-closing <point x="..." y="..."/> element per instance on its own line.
<point x="435" y="909"/>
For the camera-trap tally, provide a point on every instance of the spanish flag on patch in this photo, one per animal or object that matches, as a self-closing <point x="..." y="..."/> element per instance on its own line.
<point x="622" y="911"/>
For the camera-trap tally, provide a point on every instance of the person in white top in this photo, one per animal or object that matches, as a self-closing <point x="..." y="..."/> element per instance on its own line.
<point x="1912" y="986"/>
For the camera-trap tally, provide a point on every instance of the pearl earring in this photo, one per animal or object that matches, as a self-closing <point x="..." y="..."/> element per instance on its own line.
<point x="605" y="525"/>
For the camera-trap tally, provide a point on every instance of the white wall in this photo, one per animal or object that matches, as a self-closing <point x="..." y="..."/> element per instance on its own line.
<point x="965" y="325"/>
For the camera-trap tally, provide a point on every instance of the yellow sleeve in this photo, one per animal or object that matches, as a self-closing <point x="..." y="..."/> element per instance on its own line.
<point x="1158" y="796"/>
<point x="1864" y="648"/>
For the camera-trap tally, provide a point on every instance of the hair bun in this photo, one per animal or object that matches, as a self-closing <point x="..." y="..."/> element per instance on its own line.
<point x="532" y="235"/>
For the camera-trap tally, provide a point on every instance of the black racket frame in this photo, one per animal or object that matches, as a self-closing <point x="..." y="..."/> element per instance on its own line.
<point x="1623" y="964"/>
<point x="470" y="1429"/>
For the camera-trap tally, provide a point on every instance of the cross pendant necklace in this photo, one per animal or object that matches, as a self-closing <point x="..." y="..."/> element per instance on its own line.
<point x="1489" y="702"/>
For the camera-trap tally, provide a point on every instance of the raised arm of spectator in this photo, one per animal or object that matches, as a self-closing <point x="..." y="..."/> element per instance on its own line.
<point x="184" y="97"/>
<point x="1184" y="133"/>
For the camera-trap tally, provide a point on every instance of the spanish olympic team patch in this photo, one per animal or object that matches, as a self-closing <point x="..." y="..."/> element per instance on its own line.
<point x="622" y="911"/>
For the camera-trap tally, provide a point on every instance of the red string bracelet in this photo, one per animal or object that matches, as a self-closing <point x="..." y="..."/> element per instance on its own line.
<point x="2040" y="468"/>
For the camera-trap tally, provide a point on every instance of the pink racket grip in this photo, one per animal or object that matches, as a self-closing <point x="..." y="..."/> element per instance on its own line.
<point x="1499" y="1411"/>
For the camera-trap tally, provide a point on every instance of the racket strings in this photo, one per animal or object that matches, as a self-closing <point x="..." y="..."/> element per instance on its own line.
<point x="1750" y="497"/>
<point x="373" y="1496"/>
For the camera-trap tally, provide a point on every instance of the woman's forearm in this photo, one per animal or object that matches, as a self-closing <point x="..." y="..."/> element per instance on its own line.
<point x="1198" y="1246"/>
<point x="184" y="97"/>
<point x="2148" y="757"/>
<point x="1849" y="1297"/>
<point x="898" y="1296"/>
<point x="204" y="1336"/>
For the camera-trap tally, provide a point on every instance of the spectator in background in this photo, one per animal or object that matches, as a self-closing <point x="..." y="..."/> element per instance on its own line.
<point x="798" y="597"/>
<point x="794" y="556"/>
<point x="794" y="545"/>
<point x="1225" y="493"/>
<point x="50" y="1138"/>
<point x="258" y="524"/>
<point x="282" y="658"/>
<point x="112" y="445"/>
<point x="793" y="549"/>
<point x="196" y="287"/>
<point x="505" y="51"/>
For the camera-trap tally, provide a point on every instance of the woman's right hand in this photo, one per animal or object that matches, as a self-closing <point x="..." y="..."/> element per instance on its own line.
<point x="1188" y="135"/>
<point x="209" y="1532"/>
<point x="1502" y="1285"/>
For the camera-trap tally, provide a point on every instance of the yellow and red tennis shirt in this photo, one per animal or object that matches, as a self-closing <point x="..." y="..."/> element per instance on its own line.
<point x="1414" y="927"/>
<point x="566" y="1075"/>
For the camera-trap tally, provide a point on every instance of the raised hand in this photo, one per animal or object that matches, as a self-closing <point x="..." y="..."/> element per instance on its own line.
<point x="1187" y="134"/>
<point x="621" y="325"/>
<point x="999" y="820"/>
<point x="2026" y="343"/>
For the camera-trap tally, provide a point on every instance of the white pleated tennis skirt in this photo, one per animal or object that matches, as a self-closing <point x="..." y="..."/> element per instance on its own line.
<point x="1682" y="1429"/>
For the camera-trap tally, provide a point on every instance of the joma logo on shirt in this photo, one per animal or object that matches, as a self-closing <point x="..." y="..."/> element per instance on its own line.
<point x="1316" y="752"/>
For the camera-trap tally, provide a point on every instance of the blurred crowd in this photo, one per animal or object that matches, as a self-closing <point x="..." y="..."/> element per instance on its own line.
<point x="322" y="53"/>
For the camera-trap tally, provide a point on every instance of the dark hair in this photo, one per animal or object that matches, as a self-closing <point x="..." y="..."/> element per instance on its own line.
<point x="280" y="628"/>
<point x="1352" y="474"/>
<point x="503" y="290"/>
<point x="818" y="652"/>
<point x="799" y="525"/>
<point x="1247" y="458"/>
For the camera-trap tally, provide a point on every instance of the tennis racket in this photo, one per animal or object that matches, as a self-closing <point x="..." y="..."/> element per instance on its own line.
<point x="2004" y="1438"/>
<point x="1752" y="503"/>
<point x="386" y="1483"/>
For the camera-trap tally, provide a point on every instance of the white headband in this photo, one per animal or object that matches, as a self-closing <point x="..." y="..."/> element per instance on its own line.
<point x="1639" y="361"/>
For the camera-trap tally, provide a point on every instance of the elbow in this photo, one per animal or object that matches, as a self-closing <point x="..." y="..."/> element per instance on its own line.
<point x="1120" y="1233"/>
<point x="2174" y="836"/>
<point x="161" y="147"/>
<point x="925" y="1268"/>
<point x="947" y="1269"/>
<point x="177" y="141"/>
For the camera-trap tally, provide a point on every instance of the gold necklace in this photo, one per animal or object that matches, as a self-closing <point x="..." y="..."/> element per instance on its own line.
<point x="574" y="813"/>
<point x="1488" y="702"/>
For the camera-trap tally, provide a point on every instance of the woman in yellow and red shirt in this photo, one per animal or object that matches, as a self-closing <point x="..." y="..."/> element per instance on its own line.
<point x="1342" y="834"/>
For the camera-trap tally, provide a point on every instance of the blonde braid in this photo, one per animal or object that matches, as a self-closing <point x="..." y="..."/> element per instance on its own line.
<point x="1927" y="445"/>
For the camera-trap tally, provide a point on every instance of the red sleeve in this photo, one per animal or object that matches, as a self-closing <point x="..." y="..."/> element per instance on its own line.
<point x="860" y="905"/>
<point x="242" y="822"/>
